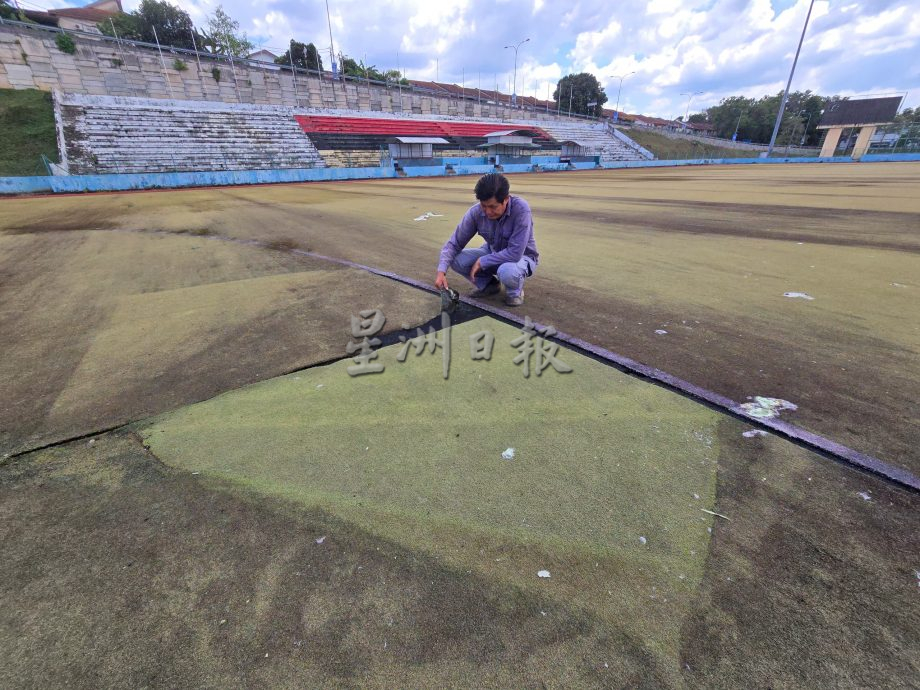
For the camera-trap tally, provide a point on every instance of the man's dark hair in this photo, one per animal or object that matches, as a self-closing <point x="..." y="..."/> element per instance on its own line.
<point x="493" y="185"/>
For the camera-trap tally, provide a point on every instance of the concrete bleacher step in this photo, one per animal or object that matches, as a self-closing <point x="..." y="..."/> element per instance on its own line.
<point x="103" y="137"/>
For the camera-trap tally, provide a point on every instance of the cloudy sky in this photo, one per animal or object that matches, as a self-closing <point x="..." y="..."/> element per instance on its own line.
<point x="666" y="47"/>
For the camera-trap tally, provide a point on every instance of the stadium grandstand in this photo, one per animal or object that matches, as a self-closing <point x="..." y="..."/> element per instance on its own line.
<point x="105" y="134"/>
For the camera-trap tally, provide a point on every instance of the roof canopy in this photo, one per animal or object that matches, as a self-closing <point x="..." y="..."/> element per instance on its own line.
<point x="866" y="111"/>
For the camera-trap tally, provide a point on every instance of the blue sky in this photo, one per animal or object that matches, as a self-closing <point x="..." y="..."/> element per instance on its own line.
<point x="666" y="47"/>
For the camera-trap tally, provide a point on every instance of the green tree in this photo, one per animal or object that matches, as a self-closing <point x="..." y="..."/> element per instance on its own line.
<point x="908" y="116"/>
<point x="222" y="36"/>
<point x="583" y="88"/>
<point x="127" y="26"/>
<point x="353" y="68"/>
<point x="7" y="11"/>
<point x="303" y="55"/>
<point x="172" y="25"/>
<point x="755" y="119"/>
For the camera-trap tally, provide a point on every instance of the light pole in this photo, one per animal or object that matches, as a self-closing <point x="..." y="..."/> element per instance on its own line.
<point x="782" y="105"/>
<point x="805" y="133"/>
<point x="616" y="111"/>
<point x="514" y="85"/>
<point x="737" y="125"/>
<point x="691" y="95"/>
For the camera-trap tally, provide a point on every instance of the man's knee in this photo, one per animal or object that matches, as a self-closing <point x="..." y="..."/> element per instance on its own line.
<point x="510" y="273"/>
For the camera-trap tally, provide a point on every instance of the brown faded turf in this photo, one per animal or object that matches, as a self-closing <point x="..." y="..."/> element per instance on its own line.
<point x="103" y="328"/>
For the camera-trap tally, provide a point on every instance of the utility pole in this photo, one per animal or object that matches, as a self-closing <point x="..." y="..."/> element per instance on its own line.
<point x="782" y="105"/>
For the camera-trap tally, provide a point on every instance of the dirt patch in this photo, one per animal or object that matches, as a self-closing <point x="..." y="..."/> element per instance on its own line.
<point x="74" y="219"/>
<point x="850" y="228"/>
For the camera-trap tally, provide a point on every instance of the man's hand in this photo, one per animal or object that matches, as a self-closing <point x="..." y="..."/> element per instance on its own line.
<point x="441" y="281"/>
<point x="477" y="267"/>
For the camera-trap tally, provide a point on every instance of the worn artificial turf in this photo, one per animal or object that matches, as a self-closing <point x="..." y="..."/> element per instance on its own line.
<point x="704" y="253"/>
<point x="104" y="328"/>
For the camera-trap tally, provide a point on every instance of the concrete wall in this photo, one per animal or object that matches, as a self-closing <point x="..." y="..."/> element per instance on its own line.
<point x="30" y="59"/>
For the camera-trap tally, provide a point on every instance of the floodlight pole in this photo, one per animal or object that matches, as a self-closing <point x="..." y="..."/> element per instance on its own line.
<point x="782" y="105"/>
<point x="616" y="111"/>
<point x="514" y="84"/>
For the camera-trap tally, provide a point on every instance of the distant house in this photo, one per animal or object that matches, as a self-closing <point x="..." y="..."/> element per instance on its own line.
<point x="705" y="128"/>
<point x="78" y="18"/>
<point x="652" y="122"/>
<point x="262" y="56"/>
<point x="265" y="56"/>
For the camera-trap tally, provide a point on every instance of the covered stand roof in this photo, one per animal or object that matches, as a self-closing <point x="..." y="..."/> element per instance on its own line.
<point x="866" y="111"/>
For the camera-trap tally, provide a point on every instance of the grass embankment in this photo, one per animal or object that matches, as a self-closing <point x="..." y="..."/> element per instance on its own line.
<point x="666" y="148"/>
<point x="27" y="123"/>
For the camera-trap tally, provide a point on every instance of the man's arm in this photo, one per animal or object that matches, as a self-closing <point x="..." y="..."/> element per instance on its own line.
<point x="465" y="231"/>
<point x="517" y="243"/>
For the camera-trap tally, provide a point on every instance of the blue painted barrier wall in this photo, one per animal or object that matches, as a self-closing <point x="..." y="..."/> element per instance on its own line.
<point x="112" y="183"/>
<point x="461" y="166"/>
<point x="24" y="185"/>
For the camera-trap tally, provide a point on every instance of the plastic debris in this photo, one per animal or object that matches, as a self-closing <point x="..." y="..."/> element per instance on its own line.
<point x="643" y="540"/>
<point x="320" y="386"/>
<point x="798" y="295"/>
<point x="864" y="496"/>
<point x="766" y="408"/>
<point x="320" y="540"/>
<point x="429" y="214"/>
<point x="508" y="454"/>
<point x="543" y="573"/>
<point x="661" y="331"/>
<point x="754" y="432"/>
<point x="696" y="496"/>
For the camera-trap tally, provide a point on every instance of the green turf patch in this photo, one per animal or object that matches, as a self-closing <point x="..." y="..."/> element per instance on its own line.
<point x="605" y="489"/>
<point x="27" y="123"/>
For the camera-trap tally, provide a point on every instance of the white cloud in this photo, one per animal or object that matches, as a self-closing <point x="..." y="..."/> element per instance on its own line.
<point x="720" y="47"/>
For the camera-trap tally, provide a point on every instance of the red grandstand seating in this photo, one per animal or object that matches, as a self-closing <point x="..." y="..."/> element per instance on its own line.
<point x="326" y="124"/>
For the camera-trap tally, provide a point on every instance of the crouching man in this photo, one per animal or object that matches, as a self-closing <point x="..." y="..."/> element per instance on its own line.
<point x="509" y="254"/>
